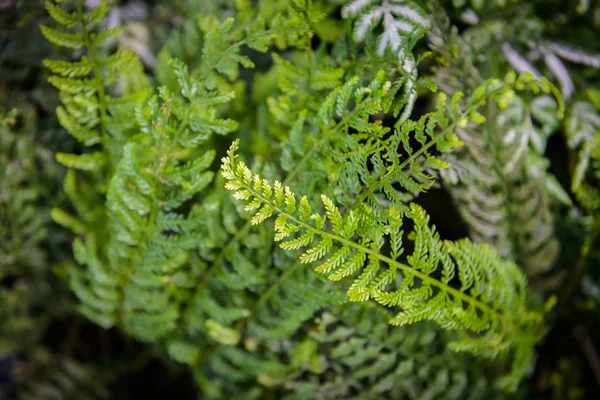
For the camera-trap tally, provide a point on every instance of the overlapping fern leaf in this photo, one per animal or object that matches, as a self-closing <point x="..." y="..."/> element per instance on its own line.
<point x="141" y="282"/>
<point x="492" y="296"/>
<point x="492" y="299"/>
<point x="351" y="353"/>
<point x="508" y="203"/>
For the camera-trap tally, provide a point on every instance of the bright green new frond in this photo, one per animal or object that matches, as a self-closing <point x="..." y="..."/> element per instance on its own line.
<point x="492" y="298"/>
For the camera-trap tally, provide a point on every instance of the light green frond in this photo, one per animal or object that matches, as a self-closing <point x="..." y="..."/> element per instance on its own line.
<point x="492" y="298"/>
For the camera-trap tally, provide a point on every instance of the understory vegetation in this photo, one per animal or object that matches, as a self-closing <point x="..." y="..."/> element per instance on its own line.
<point x="299" y="199"/>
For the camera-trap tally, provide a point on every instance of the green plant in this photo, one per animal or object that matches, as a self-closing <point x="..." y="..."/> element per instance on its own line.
<point x="349" y="130"/>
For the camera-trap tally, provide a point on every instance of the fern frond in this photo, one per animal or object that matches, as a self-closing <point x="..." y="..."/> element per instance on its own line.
<point x="500" y="179"/>
<point x="507" y="204"/>
<point x="401" y="20"/>
<point x="142" y="193"/>
<point x="83" y="84"/>
<point x="404" y="22"/>
<point x="493" y="297"/>
<point x="583" y="135"/>
<point x="350" y="354"/>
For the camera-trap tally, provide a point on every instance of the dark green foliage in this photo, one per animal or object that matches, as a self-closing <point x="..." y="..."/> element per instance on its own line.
<point x="355" y="355"/>
<point x="25" y="220"/>
<point x="363" y="284"/>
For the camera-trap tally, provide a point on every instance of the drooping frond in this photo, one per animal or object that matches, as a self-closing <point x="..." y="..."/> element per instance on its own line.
<point x="492" y="299"/>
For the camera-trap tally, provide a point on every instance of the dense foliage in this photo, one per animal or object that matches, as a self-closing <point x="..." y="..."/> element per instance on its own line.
<point x="299" y="199"/>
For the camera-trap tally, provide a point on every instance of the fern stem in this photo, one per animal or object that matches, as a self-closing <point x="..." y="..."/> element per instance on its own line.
<point x="97" y="82"/>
